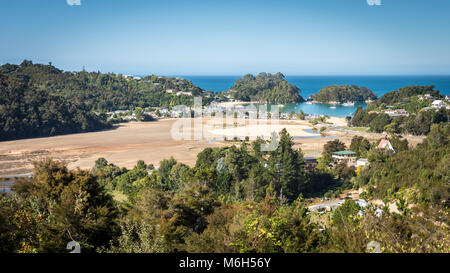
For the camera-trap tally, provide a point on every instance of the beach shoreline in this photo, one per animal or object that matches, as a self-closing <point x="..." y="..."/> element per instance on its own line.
<point x="149" y="141"/>
<point x="152" y="142"/>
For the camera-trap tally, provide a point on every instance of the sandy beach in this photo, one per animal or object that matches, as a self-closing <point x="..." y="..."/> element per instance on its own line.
<point x="153" y="141"/>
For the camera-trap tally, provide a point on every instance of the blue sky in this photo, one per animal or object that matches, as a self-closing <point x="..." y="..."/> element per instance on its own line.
<point x="232" y="37"/>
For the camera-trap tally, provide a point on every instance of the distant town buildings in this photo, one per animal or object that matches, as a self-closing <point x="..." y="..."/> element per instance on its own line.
<point x="132" y="77"/>
<point x="313" y="117"/>
<point x="426" y="96"/>
<point x="396" y="112"/>
<point x="184" y="93"/>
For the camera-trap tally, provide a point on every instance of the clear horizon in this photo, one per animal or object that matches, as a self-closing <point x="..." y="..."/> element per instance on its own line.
<point x="200" y="38"/>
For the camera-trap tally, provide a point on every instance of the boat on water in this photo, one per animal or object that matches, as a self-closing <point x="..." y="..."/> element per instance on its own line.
<point x="333" y="107"/>
<point x="348" y="103"/>
<point x="309" y="102"/>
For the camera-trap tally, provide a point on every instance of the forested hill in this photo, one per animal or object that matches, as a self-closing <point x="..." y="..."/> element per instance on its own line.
<point x="28" y="112"/>
<point x="403" y="95"/>
<point x="406" y="111"/>
<point x="344" y="93"/>
<point x="41" y="100"/>
<point x="106" y="92"/>
<point x="265" y="87"/>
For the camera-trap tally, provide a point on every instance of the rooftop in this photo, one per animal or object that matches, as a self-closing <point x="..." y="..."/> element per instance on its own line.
<point x="345" y="153"/>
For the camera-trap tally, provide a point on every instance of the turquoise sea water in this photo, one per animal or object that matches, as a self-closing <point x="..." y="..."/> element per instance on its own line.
<point x="318" y="108"/>
<point x="312" y="84"/>
<point x="322" y="109"/>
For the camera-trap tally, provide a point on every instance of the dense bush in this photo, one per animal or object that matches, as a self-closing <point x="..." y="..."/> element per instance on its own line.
<point x="265" y="87"/>
<point x="239" y="200"/>
<point x="344" y="93"/>
<point x="105" y="92"/>
<point x="28" y="112"/>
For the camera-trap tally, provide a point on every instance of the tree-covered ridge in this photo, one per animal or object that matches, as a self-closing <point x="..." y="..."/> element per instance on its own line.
<point x="416" y="116"/>
<point x="106" y="92"/>
<point x="265" y="87"/>
<point x="28" y="112"/>
<point x="403" y="95"/>
<point x="344" y="93"/>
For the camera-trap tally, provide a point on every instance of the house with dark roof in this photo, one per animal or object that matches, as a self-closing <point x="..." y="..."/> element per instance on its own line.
<point x="310" y="162"/>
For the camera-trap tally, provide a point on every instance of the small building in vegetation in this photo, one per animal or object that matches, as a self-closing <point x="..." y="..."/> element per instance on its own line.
<point x="344" y="156"/>
<point x="311" y="162"/>
<point x="363" y="162"/>
<point x="396" y="112"/>
<point x="385" y="145"/>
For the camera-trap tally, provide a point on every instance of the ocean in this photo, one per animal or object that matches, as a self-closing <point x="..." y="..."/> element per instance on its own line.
<point x="312" y="84"/>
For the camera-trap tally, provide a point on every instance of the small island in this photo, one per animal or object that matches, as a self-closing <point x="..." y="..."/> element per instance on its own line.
<point x="340" y="94"/>
<point x="264" y="88"/>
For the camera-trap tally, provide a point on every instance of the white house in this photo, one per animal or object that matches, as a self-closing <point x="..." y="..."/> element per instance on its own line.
<point x="438" y="104"/>
<point x="389" y="112"/>
<point x="362" y="203"/>
<point x="362" y="162"/>
<point x="184" y="93"/>
<point x="379" y="212"/>
<point x="385" y="145"/>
